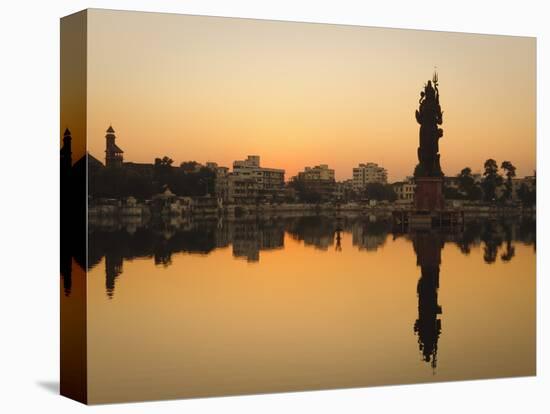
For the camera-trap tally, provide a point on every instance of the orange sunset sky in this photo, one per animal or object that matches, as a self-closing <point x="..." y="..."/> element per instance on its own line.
<point x="302" y="94"/>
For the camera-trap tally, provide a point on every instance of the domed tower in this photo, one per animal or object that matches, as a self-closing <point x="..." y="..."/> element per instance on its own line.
<point x="113" y="154"/>
<point x="66" y="152"/>
<point x="65" y="173"/>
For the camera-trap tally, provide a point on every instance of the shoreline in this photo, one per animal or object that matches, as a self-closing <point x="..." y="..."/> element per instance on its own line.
<point x="142" y="212"/>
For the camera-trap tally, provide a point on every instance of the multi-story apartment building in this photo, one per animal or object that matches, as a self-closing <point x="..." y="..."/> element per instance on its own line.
<point x="344" y="190"/>
<point x="221" y="189"/>
<point x="405" y="189"/>
<point x="317" y="173"/>
<point x="318" y="180"/>
<point x="368" y="173"/>
<point x="250" y="182"/>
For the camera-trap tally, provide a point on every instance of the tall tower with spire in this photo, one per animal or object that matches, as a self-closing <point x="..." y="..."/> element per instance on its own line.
<point x="113" y="154"/>
<point x="66" y="152"/>
<point x="65" y="173"/>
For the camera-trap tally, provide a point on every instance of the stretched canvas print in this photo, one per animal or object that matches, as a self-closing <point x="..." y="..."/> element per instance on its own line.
<point x="253" y="206"/>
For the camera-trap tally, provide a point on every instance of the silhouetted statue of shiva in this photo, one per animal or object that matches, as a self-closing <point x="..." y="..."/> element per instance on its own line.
<point x="429" y="116"/>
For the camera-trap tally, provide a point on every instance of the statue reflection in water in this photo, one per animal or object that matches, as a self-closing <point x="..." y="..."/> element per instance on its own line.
<point x="427" y="246"/>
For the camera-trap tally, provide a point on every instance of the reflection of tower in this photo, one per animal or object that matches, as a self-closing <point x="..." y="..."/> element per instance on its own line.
<point x="338" y="240"/>
<point x="113" y="268"/>
<point x="428" y="326"/>
<point x="113" y="154"/>
<point x="65" y="210"/>
<point x="66" y="269"/>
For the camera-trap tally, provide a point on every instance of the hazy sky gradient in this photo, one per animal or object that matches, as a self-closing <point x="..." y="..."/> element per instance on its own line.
<point x="297" y="94"/>
<point x="73" y="87"/>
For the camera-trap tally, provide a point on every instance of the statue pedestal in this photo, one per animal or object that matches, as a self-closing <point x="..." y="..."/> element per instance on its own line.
<point x="428" y="195"/>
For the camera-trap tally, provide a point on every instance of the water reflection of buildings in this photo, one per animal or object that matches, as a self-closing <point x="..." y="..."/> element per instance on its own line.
<point x="369" y="235"/>
<point x="117" y="241"/>
<point x="113" y="242"/>
<point x="161" y="241"/>
<point x="325" y="232"/>
<point x="251" y="237"/>
<point x="427" y="247"/>
<point x="316" y="231"/>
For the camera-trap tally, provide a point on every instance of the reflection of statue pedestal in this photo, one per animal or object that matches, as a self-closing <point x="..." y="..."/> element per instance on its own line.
<point x="428" y="195"/>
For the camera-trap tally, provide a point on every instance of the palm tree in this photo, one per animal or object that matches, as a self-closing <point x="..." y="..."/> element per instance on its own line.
<point x="492" y="179"/>
<point x="510" y="172"/>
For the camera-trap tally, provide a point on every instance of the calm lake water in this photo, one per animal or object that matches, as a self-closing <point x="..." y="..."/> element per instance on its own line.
<point x="252" y="306"/>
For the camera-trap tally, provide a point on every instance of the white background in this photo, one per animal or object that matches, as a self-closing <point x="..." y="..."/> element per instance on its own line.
<point x="29" y="151"/>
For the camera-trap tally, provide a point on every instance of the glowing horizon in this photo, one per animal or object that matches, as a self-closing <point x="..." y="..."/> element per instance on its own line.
<point x="301" y="94"/>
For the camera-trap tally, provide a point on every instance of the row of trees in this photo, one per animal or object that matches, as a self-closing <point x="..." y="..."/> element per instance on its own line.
<point x="493" y="187"/>
<point x="142" y="182"/>
<point x="189" y="179"/>
<point x="379" y="192"/>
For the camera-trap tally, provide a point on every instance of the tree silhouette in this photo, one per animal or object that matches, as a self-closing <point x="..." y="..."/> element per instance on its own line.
<point x="510" y="172"/>
<point x="468" y="186"/>
<point x="378" y="191"/>
<point x="492" y="179"/>
<point x="465" y="180"/>
<point x="162" y="172"/>
<point x="527" y="195"/>
<point x="189" y="166"/>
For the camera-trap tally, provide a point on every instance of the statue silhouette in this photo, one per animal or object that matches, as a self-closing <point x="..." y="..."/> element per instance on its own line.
<point x="427" y="246"/>
<point x="429" y="116"/>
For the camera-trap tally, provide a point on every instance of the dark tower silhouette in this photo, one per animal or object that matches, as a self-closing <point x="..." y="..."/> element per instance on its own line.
<point x="113" y="154"/>
<point x="427" y="247"/>
<point x="66" y="153"/>
<point x="65" y="175"/>
<point x="65" y="210"/>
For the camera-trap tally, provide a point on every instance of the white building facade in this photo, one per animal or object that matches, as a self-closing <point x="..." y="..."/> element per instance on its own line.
<point x="405" y="190"/>
<point x="318" y="173"/>
<point x="249" y="181"/>
<point x="222" y="180"/>
<point x="368" y="173"/>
